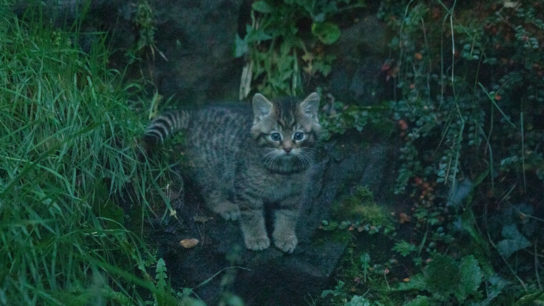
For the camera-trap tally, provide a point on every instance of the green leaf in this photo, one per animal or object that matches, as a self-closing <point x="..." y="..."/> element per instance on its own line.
<point x="334" y="292"/>
<point x="468" y="223"/>
<point x="358" y="301"/>
<point x="471" y="277"/>
<point x="240" y="46"/>
<point x="256" y="35"/>
<point x="365" y="260"/>
<point x="442" y="275"/>
<point x="404" y="248"/>
<point x="319" y="17"/>
<point x="161" y="274"/>
<point x="327" y="32"/>
<point x="495" y="287"/>
<point x="420" y="300"/>
<point x="232" y="300"/>
<point x="513" y="242"/>
<point x="417" y="282"/>
<point x="536" y="298"/>
<point x="261" y="7"/>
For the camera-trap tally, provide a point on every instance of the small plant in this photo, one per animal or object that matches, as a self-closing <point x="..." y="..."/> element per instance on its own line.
<point x="277" y="48"/>
<point x="341" y="118"/>
<point x="447" y="280"/>
<point x="404" y="248"/>
<point x="359" y="212"/>
<point x="144" y="21"/>
<point x="165" y="295"/>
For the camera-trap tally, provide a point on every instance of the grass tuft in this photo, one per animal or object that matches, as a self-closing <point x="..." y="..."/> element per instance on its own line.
<point x="67" y="146"/>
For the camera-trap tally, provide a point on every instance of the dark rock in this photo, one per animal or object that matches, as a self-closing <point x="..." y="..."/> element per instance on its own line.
<point x="191" y="56"/>
<point x="197" y="39"/>
<point x="357" y="74"/>
<point x="220" y="263"/>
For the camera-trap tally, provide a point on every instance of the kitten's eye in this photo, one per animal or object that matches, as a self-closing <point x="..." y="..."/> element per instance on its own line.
<point x="275" y="136"/>
<point x="298" y="136"/>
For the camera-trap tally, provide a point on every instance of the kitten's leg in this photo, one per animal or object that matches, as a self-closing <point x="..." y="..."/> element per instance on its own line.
<point x="219" y="204"/>
<point x="253" y="228"/>
<point x="285" y="222"/>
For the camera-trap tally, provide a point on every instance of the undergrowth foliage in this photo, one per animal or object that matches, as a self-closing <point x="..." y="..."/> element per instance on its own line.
<point x="67" y="147"/>
<point x="469" y="109"/>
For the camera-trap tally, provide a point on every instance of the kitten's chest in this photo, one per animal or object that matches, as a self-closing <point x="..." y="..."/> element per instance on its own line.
<point x="272" y="187"/>
<point x="282" y="188"/>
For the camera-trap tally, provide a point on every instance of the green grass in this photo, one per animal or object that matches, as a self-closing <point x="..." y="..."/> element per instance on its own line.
<point x="68" y="136"/>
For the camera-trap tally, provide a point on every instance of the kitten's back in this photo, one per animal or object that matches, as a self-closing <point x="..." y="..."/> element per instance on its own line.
<point x="213" y="137"/>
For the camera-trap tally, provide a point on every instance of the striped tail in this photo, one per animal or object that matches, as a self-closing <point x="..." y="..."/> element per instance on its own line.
<point x="165" y="125"/>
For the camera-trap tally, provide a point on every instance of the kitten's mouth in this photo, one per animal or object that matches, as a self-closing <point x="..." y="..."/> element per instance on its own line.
<point x="286" y="154"/>
<point x="286" y="162"/>
<point x="290" y="152"/>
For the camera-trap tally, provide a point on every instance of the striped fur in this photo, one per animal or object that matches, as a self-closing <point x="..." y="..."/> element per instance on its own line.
<point x="165" y="125"/>
<point x="243" y="158"/>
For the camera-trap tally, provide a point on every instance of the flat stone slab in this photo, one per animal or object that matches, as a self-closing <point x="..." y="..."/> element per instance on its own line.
<point x="220" y="262"/>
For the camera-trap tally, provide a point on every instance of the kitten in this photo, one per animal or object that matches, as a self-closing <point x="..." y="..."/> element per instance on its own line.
<point x="243" y="161"/>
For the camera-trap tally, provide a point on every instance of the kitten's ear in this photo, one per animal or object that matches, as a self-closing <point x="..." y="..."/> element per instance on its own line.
<point x="261" y="107"/>
<point x="310" y="105"/>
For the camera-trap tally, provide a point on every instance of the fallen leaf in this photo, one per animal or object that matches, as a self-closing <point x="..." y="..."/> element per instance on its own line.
<point x="202" y="219"/>
<point x="403" y="218"/>
<point x="189" y="243"/>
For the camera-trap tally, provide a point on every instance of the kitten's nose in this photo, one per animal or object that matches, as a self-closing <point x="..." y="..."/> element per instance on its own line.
<point x="287" y="146"/>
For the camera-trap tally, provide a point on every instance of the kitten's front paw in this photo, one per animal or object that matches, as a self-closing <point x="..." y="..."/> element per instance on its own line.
<point x="228" y="210"/>
<point x="286" y="242"/>
<point x="257" y="243"/>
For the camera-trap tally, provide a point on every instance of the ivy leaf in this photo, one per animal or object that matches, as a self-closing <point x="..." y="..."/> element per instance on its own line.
<point x="327" y="32"/>
<point x="261" y="7"/>
<point x="471" y="277"/>
<point x="240" y="46"/>
<point x="256" y="35"/>
<point x="513" y="242"/>
<point x="494" y="288"/>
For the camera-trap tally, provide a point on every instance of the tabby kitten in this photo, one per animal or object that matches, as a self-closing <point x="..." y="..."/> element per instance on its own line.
<point x="243" y="161"/>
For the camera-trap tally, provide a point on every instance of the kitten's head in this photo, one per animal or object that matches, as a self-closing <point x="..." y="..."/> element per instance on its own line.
<point x="286" y="130"/>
